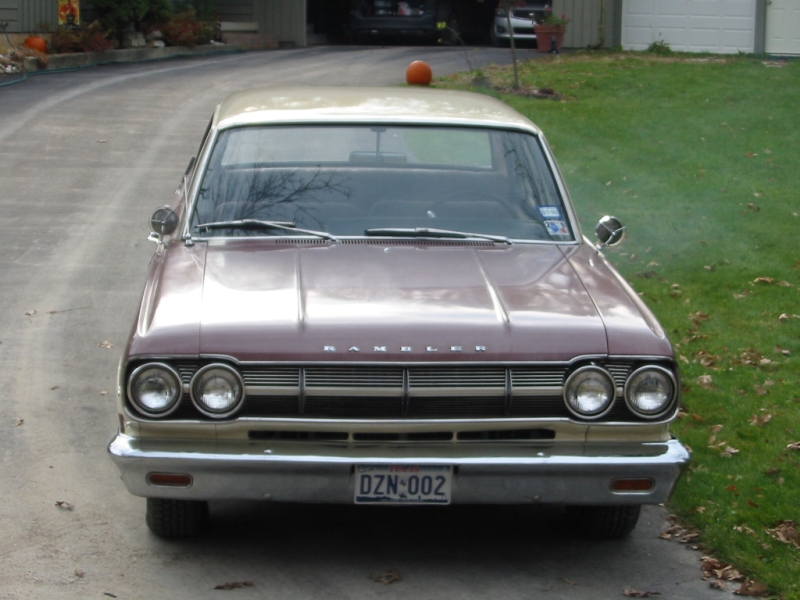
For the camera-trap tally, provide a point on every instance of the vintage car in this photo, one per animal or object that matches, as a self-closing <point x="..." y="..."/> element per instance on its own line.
<point x="383" y="296"/>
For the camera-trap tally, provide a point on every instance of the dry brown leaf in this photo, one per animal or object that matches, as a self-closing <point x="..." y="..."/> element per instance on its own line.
<point x="768" y="280"/>
<point x="18" y="422"/>
<point x="232" y="585"/>
<point x="104" y="393"/>
<point x="786" y="532"/>
<point x="783" y="351"/>
<point x="387" y="578"/>
<point x="718" y="584"/>
<point x="105" y="344"/>
<point x="744" y="529"/>
<point x="729" y="451"/>
<point x="706" y="381"/>
<point x="30" y="313"/>
<point x="79" y="573"/>
<point x="631" y="593"/>
<point x="760" y="391"/>
<point x="760" y="420"/>
<point x="792" y="446"/>
<point x="751" y="587"/>
<point x="64" y="504"/>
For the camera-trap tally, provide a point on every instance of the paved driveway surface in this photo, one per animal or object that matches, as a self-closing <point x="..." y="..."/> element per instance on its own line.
<point x="84" y="159"/>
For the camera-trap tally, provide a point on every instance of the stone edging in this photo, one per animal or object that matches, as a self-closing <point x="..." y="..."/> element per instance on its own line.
<point x="85" y="59"/>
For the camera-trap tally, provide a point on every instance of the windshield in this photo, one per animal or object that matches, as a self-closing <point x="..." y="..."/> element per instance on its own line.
<point x="346" y="180"/>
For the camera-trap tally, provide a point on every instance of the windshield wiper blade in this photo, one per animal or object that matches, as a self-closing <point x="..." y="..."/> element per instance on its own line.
<point x="434" y="233"/>
<point x="282" y="225"/>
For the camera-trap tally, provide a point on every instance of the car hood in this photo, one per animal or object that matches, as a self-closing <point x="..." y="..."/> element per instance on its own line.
<point x="364" y="300"/>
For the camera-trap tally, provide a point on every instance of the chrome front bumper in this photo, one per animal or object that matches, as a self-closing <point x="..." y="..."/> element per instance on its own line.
<point x="483" y="473"/>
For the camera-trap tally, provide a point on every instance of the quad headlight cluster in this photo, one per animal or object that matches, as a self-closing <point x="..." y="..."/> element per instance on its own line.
<point x="649" y="392"/>
<point x="216" y="390"/>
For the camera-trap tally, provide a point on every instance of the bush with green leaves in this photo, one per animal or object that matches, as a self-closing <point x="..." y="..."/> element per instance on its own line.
<point x="116" y="15"/>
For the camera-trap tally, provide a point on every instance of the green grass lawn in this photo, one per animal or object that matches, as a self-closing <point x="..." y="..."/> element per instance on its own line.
<point x="700" y="158"/>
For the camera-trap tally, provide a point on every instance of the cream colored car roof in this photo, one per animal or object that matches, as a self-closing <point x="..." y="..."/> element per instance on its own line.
<point x="399" y="105"/>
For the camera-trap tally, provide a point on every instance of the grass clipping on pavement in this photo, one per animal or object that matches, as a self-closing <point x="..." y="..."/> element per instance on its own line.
<point x="699" y="156"/>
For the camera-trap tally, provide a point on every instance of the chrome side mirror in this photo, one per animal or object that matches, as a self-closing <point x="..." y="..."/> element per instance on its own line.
<point x="164" y="221"/>
<point x="609" y="231"/>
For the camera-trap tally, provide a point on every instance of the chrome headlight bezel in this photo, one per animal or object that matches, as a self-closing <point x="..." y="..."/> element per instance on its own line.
<point x="582" y="375"/>
<point x="135" y="398"/>
<point x="226" y="372"/>
<point x="667" y="406"/>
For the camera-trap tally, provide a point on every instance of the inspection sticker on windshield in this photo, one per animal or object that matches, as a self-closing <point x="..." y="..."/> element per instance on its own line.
<point x="550" y="212"/>
<point x="556" y="227"/>
<point x="403" y="484"/>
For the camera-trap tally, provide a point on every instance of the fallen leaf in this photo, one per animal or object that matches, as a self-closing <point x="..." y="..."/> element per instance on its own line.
<point x="79" y="573"/>
<point x="731" y="488"/>
<point x="792" y="446"/>
<point x="18" y="422"/>
<point x="697" y="417"/>
<point x="706" y="381"/>
<point x="639" y="594"/>
<point x="760" y="420"/>
<point x="104" y="393"/>
<point x="109" y="594"/>
<point x="750" y="154"/>
<point x="786" y="532"/>
<point x="767" y="280"/>
<point x="30" y="313"/>
<point x="567" y="581"/>
<point x="65" y="505"/>
<point x="751" y="587"/>
<point x="387" y="578"/>
<point x="729" y="451"/>
<point x="760" y="391"/>
<point x="744" y="529"/>
<point x="752" y="504"/>
<point x="105" y="344"/>
<point x="232" y="585"/>
<point x="718" y="584"/>
<point x="785" y="284"/>
<point x="54" y="387"/>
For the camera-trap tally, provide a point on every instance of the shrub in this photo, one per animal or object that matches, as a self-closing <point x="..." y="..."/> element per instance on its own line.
<point x="660" y="47"/>
<point x="185" y="29"/>
<point x="65" y="40"/>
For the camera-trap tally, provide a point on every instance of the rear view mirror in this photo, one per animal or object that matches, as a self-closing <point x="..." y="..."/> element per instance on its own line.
<point x="609" y="231"/>
<point x="164" y="221"/>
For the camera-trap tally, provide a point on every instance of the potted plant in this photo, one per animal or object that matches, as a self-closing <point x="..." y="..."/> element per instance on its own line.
<point x="550" y="30"/>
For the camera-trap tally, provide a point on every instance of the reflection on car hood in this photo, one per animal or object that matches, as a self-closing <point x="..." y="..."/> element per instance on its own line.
<point x="378" y="301"/>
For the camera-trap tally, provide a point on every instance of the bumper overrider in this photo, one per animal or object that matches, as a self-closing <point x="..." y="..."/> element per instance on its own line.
<point x="486" y="473"/>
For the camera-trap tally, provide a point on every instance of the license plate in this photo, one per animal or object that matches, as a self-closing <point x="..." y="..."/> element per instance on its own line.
<point x="403" y="484"/>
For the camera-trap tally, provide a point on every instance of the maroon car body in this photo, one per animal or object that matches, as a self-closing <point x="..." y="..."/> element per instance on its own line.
<point x="382" y="296"/>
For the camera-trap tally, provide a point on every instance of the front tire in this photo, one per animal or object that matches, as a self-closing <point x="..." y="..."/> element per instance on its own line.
<point x="604" y="522"/>
<point x="176" y="518"/>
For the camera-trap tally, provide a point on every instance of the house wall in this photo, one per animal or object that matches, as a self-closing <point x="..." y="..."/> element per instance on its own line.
<point x="584" y="27"/>
<point x="27" y="15"/>
<point x="285" y="20"/>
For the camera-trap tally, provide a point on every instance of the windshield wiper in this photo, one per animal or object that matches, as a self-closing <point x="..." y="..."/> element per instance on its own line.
<point x="418" y="232"/>
<point x="257" y="223"/>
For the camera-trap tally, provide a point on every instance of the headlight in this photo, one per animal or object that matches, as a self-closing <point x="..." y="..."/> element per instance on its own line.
<point x="217" y="390"/>
<point x="154" y="389"/>
<point x="650" y="391"/>
<point x="589" y="392"/>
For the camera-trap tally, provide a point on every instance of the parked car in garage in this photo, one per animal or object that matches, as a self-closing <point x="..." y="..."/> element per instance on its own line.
<point x="523" y="18"/>
<point x="383" y="296"/>
<point x="382" y="19"/>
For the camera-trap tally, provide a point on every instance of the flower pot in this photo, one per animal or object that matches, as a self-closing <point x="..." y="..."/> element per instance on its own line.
<point x="34" y="42"/>
<point x="545" y="35"/>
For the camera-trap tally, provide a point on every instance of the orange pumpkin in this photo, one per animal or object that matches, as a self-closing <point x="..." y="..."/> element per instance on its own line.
<point x="419" y="73"/>
<point x="34" y="42"/>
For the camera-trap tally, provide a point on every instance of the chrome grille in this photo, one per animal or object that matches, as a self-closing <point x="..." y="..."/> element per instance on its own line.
<point x="367" y="391"/>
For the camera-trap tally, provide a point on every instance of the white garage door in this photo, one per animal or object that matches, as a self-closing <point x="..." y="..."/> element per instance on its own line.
<point x="724" y="26"/>
<point x="783" y="27"/>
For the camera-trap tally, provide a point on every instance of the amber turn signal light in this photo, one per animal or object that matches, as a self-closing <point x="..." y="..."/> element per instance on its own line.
<point x="632" y="485"/>
<point x="170" y="479"/>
